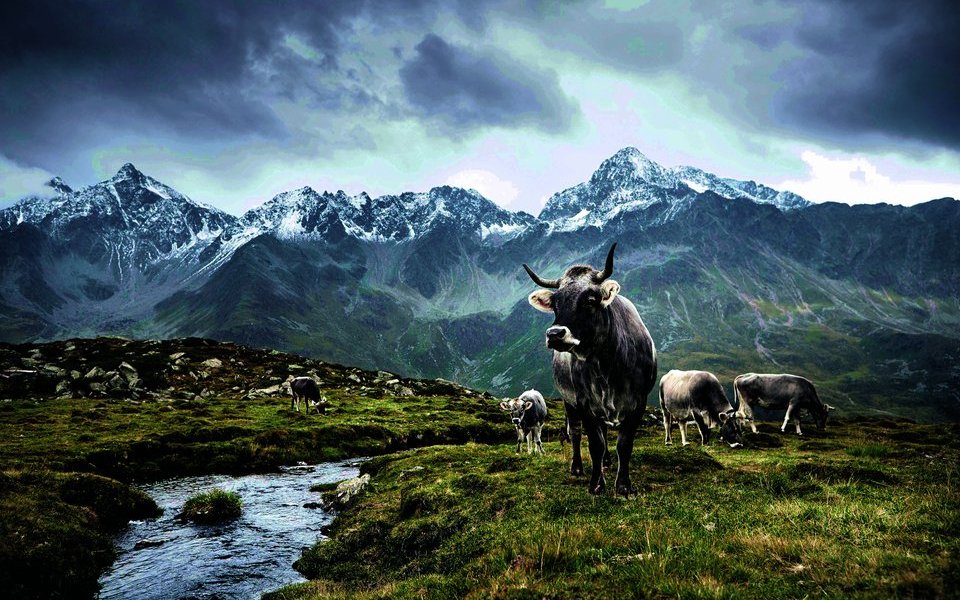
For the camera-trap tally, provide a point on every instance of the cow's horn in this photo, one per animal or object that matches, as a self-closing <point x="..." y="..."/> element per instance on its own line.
<point x="547" y="283"/>
<point x="608" y="268"/>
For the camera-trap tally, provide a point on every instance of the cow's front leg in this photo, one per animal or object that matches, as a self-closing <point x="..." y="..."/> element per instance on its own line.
<point x="538" y="429"/>
<point x="753" y="426"/>
<point x="530" y="441"/>
<point x="628" y="432"/>
<point x="519" y="439"/>
<point x="683" y="432"/>
<point x="702" y="427"/>
<point x="607" y="458"/>
<point x="796" y="422"/>
<point x="575" y="431"/>
<point x="598" y="448"/>
<point x="667" y="426"/>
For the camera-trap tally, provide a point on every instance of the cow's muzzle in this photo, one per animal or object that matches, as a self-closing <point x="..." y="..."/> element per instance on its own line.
<point x="560" y="339"/>
<point x="516" y="420"/>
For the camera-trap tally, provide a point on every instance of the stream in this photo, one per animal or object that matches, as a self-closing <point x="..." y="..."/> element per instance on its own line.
<point x="165" y="559"/>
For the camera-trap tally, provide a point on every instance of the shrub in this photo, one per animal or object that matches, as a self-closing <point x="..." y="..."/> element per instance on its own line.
<point x="216" y="506"/>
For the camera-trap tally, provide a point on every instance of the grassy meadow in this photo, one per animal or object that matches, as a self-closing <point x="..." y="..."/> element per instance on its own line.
<point x="869" y="508"/>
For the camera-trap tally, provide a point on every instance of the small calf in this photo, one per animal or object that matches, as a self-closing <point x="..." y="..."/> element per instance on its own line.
<point x="528" y="412"/>
<point x="306" y="388"/>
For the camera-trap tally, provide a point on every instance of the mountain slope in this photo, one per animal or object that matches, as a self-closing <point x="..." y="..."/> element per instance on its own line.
<point x="729" y="275"/>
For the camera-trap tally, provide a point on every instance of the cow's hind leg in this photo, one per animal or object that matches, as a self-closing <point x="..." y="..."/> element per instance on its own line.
<point x="519" y="439"/>
<point x="538" y="430"/>
<point x="683" y="431"/>
<point x="786" y="419"/>
<point x="529" y="436"/>
<point x="667" y="426"/>
<point x="607" y="458"/>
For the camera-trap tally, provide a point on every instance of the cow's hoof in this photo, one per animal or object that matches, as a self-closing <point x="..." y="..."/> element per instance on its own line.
<point x="686" y="444"/>
<point x="596" y="490"/>
<point x="575" y="472"/>
<point x="626" y="490"/>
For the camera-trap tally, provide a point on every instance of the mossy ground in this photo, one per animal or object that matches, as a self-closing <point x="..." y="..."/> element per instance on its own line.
<point x="867" y="509"/>
<point x="215" y="506"/>
<point x="189" y="419"/>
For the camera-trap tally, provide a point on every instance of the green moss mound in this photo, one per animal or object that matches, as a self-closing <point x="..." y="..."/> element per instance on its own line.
<point x="213" y="507"/>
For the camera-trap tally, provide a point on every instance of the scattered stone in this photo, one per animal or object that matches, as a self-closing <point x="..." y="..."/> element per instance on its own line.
<point x="213" y="363"/>
<point x="313" y="505"/>
<point x="95" y="373"/>
<point x="353" y="377"/>
<point x="64" y="389"/>
<point x="128" y="372"/>
<point x="345" y="493"/>
<point x="177" y="355"/>
<point x="75" y="375"/>
<point x="405" y="391"/>
<point x="393" y="382"/>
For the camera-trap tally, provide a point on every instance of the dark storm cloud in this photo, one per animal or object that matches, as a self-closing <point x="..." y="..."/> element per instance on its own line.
<point x="69" y="67"/>
<point x="883" y="69"/>
<point x="464" y="89"/>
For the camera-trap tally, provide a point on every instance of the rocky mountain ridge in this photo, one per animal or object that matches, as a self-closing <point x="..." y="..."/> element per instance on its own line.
<point x="862" y="298"/>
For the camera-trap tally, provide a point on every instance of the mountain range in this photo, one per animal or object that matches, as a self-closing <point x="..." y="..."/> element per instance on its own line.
<point x="730" y="276"/>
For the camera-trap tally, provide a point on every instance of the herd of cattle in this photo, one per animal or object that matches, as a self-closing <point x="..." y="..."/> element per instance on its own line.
<point x="605" y="365"/>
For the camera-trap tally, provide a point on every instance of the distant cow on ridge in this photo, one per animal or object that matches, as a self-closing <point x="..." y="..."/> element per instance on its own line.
<point x="779" y="392"/>
<point x="604" y="362"/>
<point x="697" y="395"/>
<point x="305" y="388"/>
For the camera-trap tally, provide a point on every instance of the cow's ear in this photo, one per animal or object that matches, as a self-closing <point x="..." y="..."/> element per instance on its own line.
<point x="541" y="300"/>
<point x="504" y="405"/>
<point x="828" y="407"/>
<point x="724" y="416"/>
<point x="527" y="405"/>
<point x="608" y="291"/>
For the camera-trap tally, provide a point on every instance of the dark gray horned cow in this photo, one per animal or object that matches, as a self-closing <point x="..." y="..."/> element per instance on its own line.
<point x="528" y="412"/>
<point x="305" y="388"/>
<point x="791" y="393"/>
<point x="697" y="396"/>
<point x="604" y="363"/>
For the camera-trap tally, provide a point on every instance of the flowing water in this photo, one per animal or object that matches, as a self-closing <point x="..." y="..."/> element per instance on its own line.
<point x="166" y="559"/>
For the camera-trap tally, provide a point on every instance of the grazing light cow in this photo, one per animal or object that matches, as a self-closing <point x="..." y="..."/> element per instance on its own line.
<point x="791" y="393"/>
<point x="697" y="395"/>
<point x="305" y="388"/>
<point x="604" y="363"/>
<point x="528" y="412"/>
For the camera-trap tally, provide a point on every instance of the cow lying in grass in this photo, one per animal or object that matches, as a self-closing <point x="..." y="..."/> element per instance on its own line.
<point x="528" y="412"/>
<point x="306" y="389"/>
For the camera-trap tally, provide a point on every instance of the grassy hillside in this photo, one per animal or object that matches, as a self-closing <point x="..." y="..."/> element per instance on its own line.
<point x="72" y="436"/>
<point x="868" y="509"/>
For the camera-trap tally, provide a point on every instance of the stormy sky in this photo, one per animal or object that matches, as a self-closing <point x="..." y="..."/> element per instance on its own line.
<point x="234" y="102"/>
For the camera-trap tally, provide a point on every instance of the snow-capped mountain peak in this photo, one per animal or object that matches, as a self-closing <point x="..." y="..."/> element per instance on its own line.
<point x="628" y="182"/>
